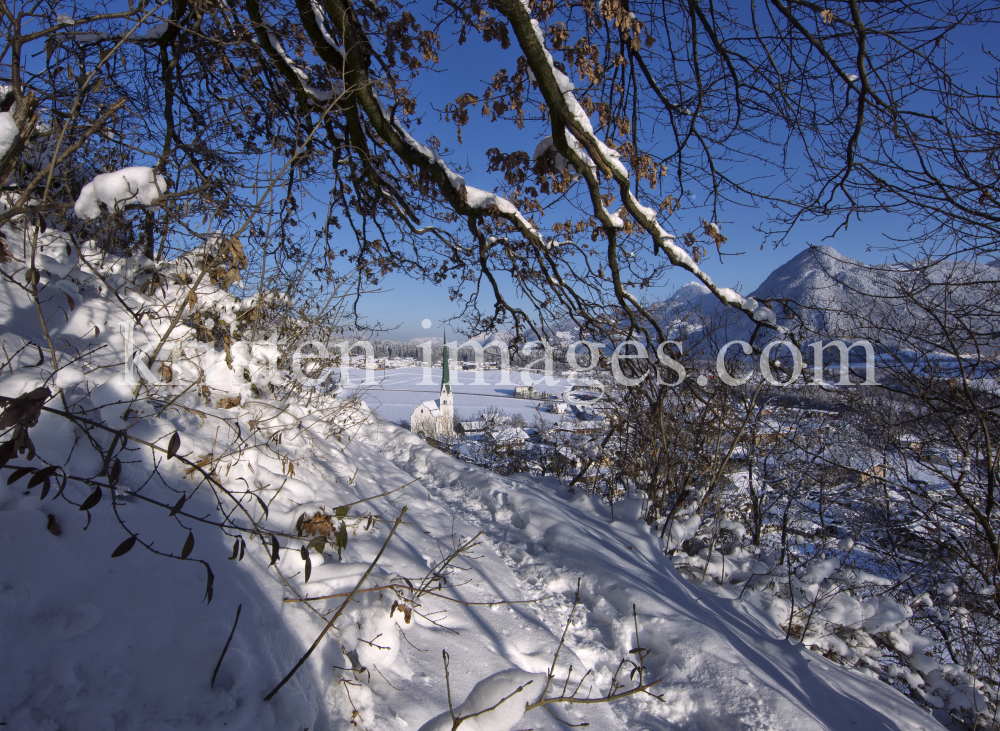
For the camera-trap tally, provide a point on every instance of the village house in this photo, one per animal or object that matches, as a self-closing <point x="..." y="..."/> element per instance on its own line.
<point x="527" y="392"/>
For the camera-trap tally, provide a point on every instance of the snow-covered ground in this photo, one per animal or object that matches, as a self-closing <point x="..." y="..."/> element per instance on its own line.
<point x="395" y="392"/>
<point x="101" y="643"/>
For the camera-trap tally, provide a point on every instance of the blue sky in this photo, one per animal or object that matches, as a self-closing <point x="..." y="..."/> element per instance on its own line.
<point x="405" y="302"/>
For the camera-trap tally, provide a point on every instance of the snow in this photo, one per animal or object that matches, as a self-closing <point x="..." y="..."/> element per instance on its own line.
<point x="8" y="132"/>
<point x="317" y="95"/>
<point x="432" y="407"/>
<point x="683" y="529"/>
<point x="157" y="31"/>
<point x="397" y="391"/>
<point x="118" y="189"/>
<point x="546" y="144"/>
<point x="475" y="197"/>
<point x="829" y="290"/>
<point x="765" y="315"/>
<point x="821" y="570"/>
<point x="83" y="37"/>
<point x="103" y="643"/>
<point x="320" y="18"/>
<point x="112" y="398"/>
<point x="500" y="699"/>
<point x="482" y="199"/>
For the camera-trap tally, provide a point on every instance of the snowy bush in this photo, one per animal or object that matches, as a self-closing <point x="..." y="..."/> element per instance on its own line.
<point x="815" y="592"/>
<point x="113" y="191"/>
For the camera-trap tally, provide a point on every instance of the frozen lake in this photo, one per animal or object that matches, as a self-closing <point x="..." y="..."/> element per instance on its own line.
<point x="396" y="392"/>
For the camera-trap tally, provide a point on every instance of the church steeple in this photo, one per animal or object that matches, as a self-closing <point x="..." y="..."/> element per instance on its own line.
<point x="445" y="377"/>
<point x="437" y="418"/>
<point x="446" y="403"/>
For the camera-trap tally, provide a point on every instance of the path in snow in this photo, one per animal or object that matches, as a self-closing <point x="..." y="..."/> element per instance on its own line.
<point x="723" y="665"/>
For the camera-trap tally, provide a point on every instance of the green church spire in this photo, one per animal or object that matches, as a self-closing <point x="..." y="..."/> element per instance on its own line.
<point x="445" y="377"/>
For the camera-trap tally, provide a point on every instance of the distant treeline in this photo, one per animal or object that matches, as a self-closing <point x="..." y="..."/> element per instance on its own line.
<point x="396" y="349"/>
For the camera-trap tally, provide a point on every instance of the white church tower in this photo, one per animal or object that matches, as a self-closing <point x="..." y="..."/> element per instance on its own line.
<point x="437" y="418"/>
<point x="446" y="399"/>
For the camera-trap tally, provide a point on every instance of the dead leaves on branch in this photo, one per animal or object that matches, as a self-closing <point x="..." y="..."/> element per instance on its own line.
<point x="325" y="528"/>
<point x="24" y="410"/>
<point x="20" y="415"/>
<point x="224" y="267"/>
<point x="319" y="523"/>
<point x="229" y="402"/>
<point x="200" y="465"/>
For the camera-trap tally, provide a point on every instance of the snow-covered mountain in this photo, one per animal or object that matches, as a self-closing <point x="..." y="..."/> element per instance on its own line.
<point x="822" y="293"/>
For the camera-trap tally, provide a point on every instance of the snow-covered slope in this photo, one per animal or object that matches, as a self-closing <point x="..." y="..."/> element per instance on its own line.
<point x="721" y="664"/>
<point x="96" y="642"/>
<point x="821" y="285"/>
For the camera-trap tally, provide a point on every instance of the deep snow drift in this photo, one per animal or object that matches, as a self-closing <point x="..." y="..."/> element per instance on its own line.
<point x="96" y="642"/>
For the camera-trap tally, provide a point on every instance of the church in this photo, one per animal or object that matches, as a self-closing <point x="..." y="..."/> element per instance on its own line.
<point x="437" y="418"/>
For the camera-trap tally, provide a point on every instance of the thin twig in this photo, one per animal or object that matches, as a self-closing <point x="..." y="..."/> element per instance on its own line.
<point x="340" y="610"/>
<point x="226" y="648"/>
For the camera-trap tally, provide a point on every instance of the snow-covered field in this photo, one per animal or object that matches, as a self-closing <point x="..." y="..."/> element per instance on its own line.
<point x="395" y="392"/>
<point x="101" y="643"/>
